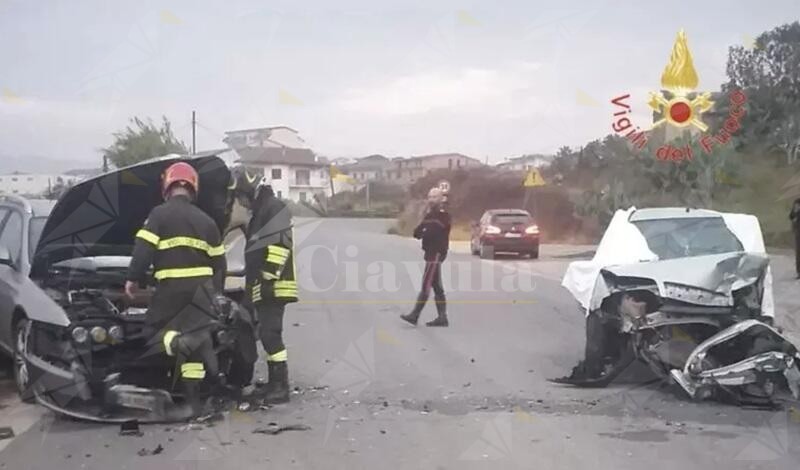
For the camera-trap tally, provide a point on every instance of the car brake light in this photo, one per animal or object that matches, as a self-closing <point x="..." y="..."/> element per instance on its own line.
<point x="532" y="229"/>
<point x="492" y="229"/>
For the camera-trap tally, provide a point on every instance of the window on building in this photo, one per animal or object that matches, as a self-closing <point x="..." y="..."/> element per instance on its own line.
<point x="280" y="194"/>
<point x="302" y="177"/>
<point x="14" y="179"/>
<point x="302" y="196"/>
<point x="276" y="174"/>
<point x="449" y="163"/>
<point x="458" y="163"/>
<point x="30" y="178"/>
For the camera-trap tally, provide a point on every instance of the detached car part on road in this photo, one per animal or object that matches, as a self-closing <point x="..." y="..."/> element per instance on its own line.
<point x="689" y="293"/>
<point x="82" y="347"/>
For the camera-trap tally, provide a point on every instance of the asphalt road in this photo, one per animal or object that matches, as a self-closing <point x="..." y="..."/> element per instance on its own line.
<point x="377" y="392"/>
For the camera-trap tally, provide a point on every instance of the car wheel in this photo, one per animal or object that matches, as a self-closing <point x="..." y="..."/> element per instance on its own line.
<point x="486" y="252"/>
<point x="21" y="373"/>
<point x="474" y="248"/>
<point x="534" y="254"/>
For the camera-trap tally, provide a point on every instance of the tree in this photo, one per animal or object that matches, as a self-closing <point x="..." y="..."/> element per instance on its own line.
<point x="769" y="74"/>
<point x="142" y="140"/>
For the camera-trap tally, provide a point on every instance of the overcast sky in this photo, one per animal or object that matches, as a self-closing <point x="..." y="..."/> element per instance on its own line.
<point x="488" y="79"/>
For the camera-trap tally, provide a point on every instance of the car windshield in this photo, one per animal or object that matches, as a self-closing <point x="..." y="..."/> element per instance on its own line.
<point x="34" y="233"/>
<point x="510" y="219"/>
<point x="680" y="238"/>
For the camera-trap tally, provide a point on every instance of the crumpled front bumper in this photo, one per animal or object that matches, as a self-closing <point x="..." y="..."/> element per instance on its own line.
<point x="698" y="378"/>
<point x="68" y="392"/>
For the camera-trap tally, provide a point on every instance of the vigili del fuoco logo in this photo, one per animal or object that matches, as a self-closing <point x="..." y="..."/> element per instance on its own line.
<point x="678" y="108"/>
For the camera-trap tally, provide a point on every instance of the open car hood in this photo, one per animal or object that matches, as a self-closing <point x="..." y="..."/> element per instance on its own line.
<point x="100" y="216"/>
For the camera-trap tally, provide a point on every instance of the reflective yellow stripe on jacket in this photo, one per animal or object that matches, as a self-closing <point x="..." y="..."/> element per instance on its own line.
<point x="148" y="236"/>
<point x="193" y="370"/>
<point x="190" y="242"/>
<point x="277" y="254"/>
<point x="177" y="273"/>
<point x="285" y="289"/>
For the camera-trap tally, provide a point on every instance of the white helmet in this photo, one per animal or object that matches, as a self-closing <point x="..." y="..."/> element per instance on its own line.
<point x="435" y="195"/>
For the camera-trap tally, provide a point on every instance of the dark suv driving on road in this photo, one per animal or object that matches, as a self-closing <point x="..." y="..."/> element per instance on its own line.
<point x="505" y="230"/>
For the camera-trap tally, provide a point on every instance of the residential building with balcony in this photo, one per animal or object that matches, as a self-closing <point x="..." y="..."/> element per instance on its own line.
<point x="408" y="170"/>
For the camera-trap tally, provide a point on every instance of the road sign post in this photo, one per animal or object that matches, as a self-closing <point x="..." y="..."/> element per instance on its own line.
<point x="533" y="179"/>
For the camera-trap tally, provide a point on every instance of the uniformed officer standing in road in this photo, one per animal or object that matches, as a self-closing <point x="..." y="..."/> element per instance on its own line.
<point x="271" y="282"/>
<point x="184" y="246"/>
<point x="434" y="231"/>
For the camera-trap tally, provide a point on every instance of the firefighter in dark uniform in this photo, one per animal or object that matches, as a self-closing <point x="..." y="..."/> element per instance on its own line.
<point x="434" y="231"/>
<point x="184" y="246"/>
<point x="271" y="280"/>
<point x="794" y="216"/>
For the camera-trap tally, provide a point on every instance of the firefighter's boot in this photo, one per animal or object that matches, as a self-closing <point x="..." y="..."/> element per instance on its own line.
<point x="193" y="400"/>
<point x="277" y="390"/>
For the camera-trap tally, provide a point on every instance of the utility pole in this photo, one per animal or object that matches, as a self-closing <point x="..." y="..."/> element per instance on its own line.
<point x="194" y="125"/>
<point x="368" y="194"/>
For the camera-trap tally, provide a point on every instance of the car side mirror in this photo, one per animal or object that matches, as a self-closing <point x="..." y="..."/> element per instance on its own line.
<point x="5" y="257"/>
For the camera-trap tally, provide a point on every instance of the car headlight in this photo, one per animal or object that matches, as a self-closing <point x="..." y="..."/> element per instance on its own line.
<point x="99" y="334"/>
<point x="116" y="332"/>
<point x="79" y="334"/>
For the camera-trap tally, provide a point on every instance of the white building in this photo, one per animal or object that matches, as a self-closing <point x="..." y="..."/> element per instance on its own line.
<point x="264" y="137"/>
<point x="525" y="162"/>
<point x="295" y="173"/>
<point x="33" y="184"/>
<point x="283" y="156"/>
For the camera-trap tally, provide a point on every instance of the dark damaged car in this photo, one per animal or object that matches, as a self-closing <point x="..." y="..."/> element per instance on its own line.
<point x="81" y="346"/>
<point x="688" y="292"/>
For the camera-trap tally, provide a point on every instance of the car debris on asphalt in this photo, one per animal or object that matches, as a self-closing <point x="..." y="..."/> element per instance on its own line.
<point x="274" y="428"/>
<point x="6" y="433"/>
<point x="130" y="428"/>
<point x="144" y="452"/>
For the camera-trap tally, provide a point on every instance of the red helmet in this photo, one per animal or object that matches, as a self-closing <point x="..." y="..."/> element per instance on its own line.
<point x="180" y="173"/>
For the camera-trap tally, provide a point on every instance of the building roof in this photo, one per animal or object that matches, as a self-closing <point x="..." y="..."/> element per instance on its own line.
<point x="277" y="155"/>
<point x="268" y="128"/>
<point x="527" y="158"/>
<point x="84" y="172"/>
<point x="370" y="163"/>
<point x="439" y="155"/>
